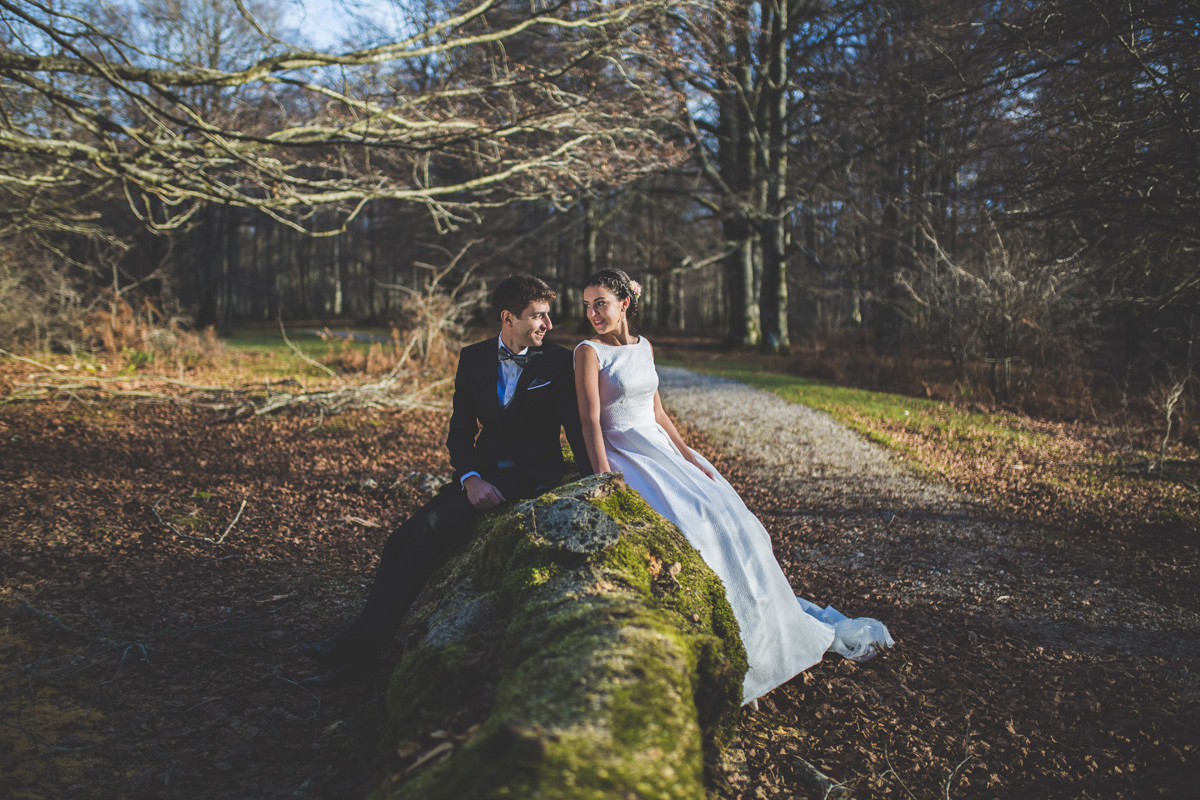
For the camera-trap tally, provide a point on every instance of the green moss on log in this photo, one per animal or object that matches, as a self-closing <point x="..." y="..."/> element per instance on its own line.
<point x="412" y="699"/>
<point x="613" y="672"/>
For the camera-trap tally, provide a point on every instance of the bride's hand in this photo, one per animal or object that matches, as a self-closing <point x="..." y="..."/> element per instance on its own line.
<point x="700" y="466"/>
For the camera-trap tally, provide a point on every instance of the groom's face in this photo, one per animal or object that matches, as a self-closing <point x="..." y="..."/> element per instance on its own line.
<point x="528" y="329"/>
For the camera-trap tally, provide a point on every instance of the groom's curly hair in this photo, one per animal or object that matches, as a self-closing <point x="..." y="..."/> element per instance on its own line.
<point x="516" y="292"/>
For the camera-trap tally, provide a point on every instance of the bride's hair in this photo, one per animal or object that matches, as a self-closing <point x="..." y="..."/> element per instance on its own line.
<point x="620" y="284"/>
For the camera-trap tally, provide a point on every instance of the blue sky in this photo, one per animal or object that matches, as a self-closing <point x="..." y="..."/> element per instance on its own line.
<point x="328" y="22"/>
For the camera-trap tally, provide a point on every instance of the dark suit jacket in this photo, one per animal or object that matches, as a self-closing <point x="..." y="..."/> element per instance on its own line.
<point x="525" y="432"/>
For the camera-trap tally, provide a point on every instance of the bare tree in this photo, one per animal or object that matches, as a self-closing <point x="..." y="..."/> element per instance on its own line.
<point x="1002" y="301"/>
<point x="757" y="66"/>
<point x="448" y="116"/>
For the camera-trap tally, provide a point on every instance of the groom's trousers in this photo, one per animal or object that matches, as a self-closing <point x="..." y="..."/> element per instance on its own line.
<point x="422" y="544"/>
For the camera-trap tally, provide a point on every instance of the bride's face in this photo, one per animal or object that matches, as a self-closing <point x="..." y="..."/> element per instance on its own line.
<point x="603" y="309"/>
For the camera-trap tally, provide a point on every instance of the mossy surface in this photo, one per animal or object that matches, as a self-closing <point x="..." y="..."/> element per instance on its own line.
<point x="412" y="699"/>
<point x="614" y="673"/>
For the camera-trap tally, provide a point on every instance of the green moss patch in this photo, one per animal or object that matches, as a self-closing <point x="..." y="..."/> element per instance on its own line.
<point x="616" y="673"/>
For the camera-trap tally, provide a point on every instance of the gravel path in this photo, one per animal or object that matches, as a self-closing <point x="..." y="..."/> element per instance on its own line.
<point x="800" y="450"/>
<point x="867" y="519"/>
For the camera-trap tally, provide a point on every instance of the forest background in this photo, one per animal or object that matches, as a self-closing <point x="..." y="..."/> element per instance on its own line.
<point x="987" y="200"/>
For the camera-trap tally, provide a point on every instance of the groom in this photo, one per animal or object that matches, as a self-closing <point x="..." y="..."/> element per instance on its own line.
<point x="512" y="394"/>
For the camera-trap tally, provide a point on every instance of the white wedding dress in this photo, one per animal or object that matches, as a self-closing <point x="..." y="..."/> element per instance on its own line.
<point x="782" y="637"/>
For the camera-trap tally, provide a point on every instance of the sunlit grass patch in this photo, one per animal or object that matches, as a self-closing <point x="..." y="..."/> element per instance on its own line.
<point x="265" y="352"/>
<point x="1051" y="473"/>
<point x="270" y="340"/>
<point x="882" y="416"/>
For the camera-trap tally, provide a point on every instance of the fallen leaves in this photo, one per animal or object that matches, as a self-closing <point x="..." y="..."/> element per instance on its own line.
<point x="983" y="696"/>
<point x="176" y="642"/>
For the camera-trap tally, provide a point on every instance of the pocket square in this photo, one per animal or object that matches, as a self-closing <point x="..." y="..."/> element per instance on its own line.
<point x="537" y="385"/>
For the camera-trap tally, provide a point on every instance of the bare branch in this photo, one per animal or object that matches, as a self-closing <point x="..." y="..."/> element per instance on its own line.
<point x="503" y="129"/>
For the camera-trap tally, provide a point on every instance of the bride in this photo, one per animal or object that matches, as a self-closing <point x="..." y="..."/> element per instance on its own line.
<point x="626" y="430"/>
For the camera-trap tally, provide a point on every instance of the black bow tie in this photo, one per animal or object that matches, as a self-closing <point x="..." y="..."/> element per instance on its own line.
<point x="521" y="360"/>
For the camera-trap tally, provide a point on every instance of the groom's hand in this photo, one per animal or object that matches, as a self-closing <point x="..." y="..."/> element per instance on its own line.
<point x="482" y="494"/>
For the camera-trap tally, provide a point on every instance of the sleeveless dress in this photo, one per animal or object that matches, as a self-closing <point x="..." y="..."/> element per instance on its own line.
<point x="782" y="637"/>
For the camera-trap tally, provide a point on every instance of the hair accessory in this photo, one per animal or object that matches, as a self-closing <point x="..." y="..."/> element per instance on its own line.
<point x="636" y="289"/>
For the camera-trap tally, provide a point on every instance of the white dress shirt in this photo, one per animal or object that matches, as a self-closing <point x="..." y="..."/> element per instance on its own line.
<point x="510" y="373"/>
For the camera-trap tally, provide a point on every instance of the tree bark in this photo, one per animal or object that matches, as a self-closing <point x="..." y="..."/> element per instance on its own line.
<point x="775" y="227"/>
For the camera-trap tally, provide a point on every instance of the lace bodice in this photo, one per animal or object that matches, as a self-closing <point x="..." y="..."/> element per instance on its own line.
<point x="627" y="384"/>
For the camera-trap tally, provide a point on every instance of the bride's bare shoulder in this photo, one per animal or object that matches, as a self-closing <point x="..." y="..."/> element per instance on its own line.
<point x="584" y="354"/>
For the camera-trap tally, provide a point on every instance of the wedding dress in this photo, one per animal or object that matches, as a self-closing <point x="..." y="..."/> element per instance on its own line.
<point x="782" y="637"/>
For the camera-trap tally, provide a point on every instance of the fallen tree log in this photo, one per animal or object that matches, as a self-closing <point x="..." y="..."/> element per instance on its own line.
<point x="578" y="648"/>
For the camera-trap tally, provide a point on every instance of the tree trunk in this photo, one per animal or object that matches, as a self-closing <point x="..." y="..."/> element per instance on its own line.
<point x="232" y="262"/>
<point x="741" y="284"/>
<point x="775" y="227"/>
<point x="738" y="170"/>
<point x="591" y="234"/>
<point x="204" y="265"/>
<point x="582" y="648"/>
<point x="678" y="302"/>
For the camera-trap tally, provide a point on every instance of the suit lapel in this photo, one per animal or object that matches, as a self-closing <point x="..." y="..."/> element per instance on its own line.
<point x="531" y="371"/>
<point x="488" y="376"/>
